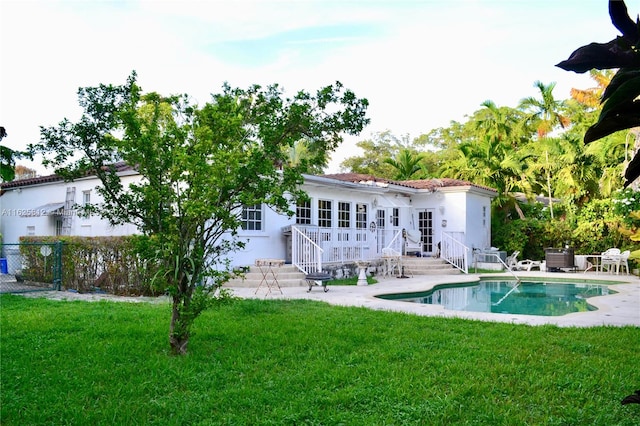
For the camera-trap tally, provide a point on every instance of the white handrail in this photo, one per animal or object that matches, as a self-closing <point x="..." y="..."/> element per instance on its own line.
<point x="454" y="252"/>
<point x="306" y="254"/>
<point x="395" y="237"/>
<point x="497" y="256"/>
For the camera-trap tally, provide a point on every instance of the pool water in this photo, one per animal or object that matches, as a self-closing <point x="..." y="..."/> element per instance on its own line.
<point x="510" y="297"/>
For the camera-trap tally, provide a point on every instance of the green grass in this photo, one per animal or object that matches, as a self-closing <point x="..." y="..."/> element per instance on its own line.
<point x="268" y="362"/>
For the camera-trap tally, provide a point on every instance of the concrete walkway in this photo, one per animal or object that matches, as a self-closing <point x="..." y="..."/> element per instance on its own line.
<point x="619" y="309"/>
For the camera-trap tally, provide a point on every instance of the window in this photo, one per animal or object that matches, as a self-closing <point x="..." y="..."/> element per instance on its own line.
<point x="58" y="224"/>
<point x="380" y="216"/>
<point x="395" y="217"/>
<point x="86" y="202"/>
<point x="303" y="213"/>
<point x="252" y="218"/>
<point x="344" y="214"/>
<point x="324" y="213"/>
<point x="361" y="216"/>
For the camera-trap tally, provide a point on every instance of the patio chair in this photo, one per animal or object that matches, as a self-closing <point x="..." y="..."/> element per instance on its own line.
<point x="624" y="261"/>
<point x="527" y="265"/>
<point x="512" y="260"/>
<point x="610" y="260"/>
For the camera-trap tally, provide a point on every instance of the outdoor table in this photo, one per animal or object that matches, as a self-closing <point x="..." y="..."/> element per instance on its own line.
<point x="269" y="269"/>
<point x="596" y="264"/>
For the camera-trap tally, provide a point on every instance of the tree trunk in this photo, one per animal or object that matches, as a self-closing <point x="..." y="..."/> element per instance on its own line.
<point x="178" y="331"/>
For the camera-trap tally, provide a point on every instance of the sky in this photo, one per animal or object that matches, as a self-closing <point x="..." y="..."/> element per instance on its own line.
<point x="420" y="63"/>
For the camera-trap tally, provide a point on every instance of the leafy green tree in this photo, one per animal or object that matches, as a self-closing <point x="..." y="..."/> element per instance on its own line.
<point x="382" y="146"/>
<point x="544" y="113"/>
<point x="493" y="163"/>
<point x="8" y="158"/>
<point x="406" y="164"/>
<point x="621" y="109"/>
<point x="502" y="123"/>
<point x="199" y="167"/>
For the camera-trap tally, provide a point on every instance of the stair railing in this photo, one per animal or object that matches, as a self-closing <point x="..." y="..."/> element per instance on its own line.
<point x="306" y="254"/>
<point x="507" y="268"/>
<point x="454" y="252"/>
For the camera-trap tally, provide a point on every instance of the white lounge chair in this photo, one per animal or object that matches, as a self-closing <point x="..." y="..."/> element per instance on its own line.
<point x="527" y="265"/>
<point x="413" y="241"/>
<point x="512" y="260"/>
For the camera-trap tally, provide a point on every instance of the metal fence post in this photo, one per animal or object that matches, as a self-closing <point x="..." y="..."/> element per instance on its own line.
<point x="57" y="265"/>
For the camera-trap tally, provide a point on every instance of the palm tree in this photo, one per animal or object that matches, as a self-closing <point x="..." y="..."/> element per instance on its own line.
<point x="493" y="163"/>
<point x="502" y="123"/>
<point x="406" y="164"/>
<point x="545" y="113"/>
<point x="590" y="97"/>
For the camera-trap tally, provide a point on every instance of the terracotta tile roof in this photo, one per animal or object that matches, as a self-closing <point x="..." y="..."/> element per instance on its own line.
<point x="120" y="166"/>
<point x="428" y="184"/>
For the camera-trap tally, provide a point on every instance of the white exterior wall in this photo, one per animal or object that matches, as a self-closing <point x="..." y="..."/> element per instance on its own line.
<point x="266" y="243"/>
<point x="478" y="216"/>
<point x="461" y="207"/>
<point x="20" y="214"/>
<point x="458" y="212"/>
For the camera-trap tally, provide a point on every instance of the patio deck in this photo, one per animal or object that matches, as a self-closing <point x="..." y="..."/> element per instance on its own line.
<point x="621" y="309"/>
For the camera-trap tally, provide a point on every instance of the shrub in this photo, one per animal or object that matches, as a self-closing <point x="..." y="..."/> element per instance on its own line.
<point x="110" y="264"/>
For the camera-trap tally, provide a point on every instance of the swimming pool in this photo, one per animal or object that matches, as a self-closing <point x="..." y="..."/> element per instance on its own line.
<point x="545" y="298"/>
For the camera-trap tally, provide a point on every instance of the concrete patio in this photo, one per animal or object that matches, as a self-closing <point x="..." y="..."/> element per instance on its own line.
<point x="621" y="309"/>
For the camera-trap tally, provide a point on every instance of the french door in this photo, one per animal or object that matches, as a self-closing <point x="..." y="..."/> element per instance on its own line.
<point x="425" y="226"/>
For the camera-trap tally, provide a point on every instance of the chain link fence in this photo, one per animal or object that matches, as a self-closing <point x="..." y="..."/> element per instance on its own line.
<point x="28" y="267"/>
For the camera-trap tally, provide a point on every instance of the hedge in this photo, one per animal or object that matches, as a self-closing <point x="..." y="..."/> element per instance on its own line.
<point x="108" y="264"/>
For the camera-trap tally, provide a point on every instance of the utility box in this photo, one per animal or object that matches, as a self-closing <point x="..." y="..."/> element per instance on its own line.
<point x="560" y="258"/>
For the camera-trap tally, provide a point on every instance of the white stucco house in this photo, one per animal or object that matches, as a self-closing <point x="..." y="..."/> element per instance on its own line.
<point x="349" y="217"/>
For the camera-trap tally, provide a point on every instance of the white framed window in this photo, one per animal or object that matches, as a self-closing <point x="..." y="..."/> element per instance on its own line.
<point x="324" y="213"/>
<point x="380" y="219"/>
<point x="303" y="212"/>
<point x="344" y="214"/>
<point x="395" y="217"/>
<point x="252" y="218"/>
<point x="361" y="216"/>
<point x="86" y="198"/>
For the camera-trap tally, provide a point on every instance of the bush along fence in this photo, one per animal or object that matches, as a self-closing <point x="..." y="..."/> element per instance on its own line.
<point x="30" y="267"/>
<point x="96" y="264"/>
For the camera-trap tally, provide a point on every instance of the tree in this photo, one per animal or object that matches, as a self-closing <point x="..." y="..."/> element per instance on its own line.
<point x="491" y="162"/>
<point x="545" y="113"/>
<point x="381" y="146"/>
<point x="406" y="164"/>
<point x="199" y="167"/>
<point x="24" y="172"/>
<point x="7" y="159"/>
<point x="621" y="108"/>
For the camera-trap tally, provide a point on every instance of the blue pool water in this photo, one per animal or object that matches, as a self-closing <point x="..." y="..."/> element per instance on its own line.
<point x="510" y="297"/>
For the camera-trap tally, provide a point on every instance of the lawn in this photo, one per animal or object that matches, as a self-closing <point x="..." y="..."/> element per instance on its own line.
<point x="267" y="362"/>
